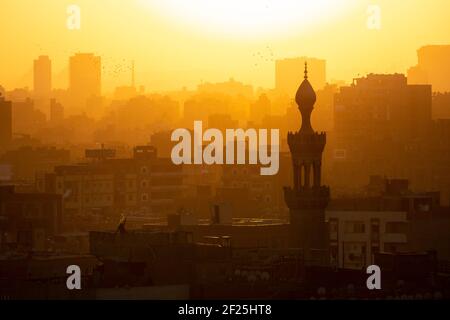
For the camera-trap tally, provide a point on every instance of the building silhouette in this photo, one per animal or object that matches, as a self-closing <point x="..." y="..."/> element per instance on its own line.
<point x="308" y="198"/>
<point x="28" y="219"/>
<point x="433" y="68"/>
<point x="441" y="106"/>
<point x="42" y="77"/>
<point x="288" y="71"/>
<point x="5" y="122"/>
<point x="56" y="112"/>
<point x="383" y="105"/>
<point x="382" y="126"/>
<point x="109" y="185"/>
<point x="85" y="77"/>
<point x="27" y="117"/>
<point x="387" y="218"/>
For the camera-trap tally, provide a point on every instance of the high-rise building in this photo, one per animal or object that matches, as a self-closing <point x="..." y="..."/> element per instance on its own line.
<point x="383" y="126"/>
<point x="288" y="74"/>
<point x="382" y="107"/>
<point x="308" y="198"/>
<point x="5" y="122"/>
<point x="433" y="68"/>
<point x="42" y="76"/>
<point x="85" y="77"/>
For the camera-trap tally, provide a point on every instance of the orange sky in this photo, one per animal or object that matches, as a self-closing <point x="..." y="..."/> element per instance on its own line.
<point x="176" y="45"/>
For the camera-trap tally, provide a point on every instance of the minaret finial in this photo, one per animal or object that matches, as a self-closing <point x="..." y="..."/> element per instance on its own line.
<point x="306" y="70"/>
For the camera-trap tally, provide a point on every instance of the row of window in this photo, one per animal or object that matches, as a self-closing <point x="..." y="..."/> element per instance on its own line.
<point x="99" y="186"/>
<point x="237" y="184"/>
<point x="359" y="227"/>
<point x="130" y="197"/>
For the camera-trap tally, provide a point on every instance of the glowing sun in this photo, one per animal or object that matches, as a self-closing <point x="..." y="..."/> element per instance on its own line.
<point x="251" y="17"/>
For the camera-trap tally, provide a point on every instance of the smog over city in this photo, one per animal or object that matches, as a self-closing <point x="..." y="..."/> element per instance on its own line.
<point x="223" y="159"/>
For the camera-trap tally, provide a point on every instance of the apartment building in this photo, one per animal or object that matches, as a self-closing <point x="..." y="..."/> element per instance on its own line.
<point x="143" y="184"/>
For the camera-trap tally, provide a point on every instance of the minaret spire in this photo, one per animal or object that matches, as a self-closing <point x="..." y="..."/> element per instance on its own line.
<point x="306" y="70"/>
<point x="306" y="98"/>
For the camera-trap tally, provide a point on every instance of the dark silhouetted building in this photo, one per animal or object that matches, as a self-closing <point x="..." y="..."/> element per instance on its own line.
<point x="383" y="106"/>
<point x="5" y="123"/>
<point x="380" y="122"/>
<point x="26" y="162"/>
<point x="441" y="106"/>
<point x="145" y="184"/>
<point x="43" y="276"/>
<point x="27" y="220"/>
<point x="388" y="217"/>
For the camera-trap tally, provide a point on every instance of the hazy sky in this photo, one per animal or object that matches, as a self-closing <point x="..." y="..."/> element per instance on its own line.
<point x="178" y="43"/>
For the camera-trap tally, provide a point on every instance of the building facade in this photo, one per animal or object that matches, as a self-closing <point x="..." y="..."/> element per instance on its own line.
<point x="388" y="218"/>
<point x="5" y="123"/>
<point x="28" y="220"/>
<point x="143" y="184"/>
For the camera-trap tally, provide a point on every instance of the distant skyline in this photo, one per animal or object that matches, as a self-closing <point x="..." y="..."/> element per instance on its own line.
<point x="174" y="48"/>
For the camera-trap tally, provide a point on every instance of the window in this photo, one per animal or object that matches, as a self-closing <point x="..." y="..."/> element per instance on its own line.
<point x="390" y="247"/>
<point x="355" y="227"/>
<point x="144" y="197"/>
<point x="144" y="183"/>
<point x="375" y="229"/>
<point x="144" y="170"/>
<point x="333" y="225"/>
<point x="340" y="154"/>
<point x="395" y="227"/>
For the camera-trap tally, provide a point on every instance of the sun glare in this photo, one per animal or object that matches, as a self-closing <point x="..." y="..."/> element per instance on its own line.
<point x="251" y="17"/>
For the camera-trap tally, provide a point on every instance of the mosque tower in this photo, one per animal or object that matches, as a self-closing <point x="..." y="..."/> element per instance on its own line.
<point x="308" y="198"/>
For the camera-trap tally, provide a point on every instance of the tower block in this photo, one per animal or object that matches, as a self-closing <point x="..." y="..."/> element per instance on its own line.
<point x="308" y="198"/>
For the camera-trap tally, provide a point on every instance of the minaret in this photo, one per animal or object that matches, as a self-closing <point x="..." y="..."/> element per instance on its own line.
<point x="308" y="199"/>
